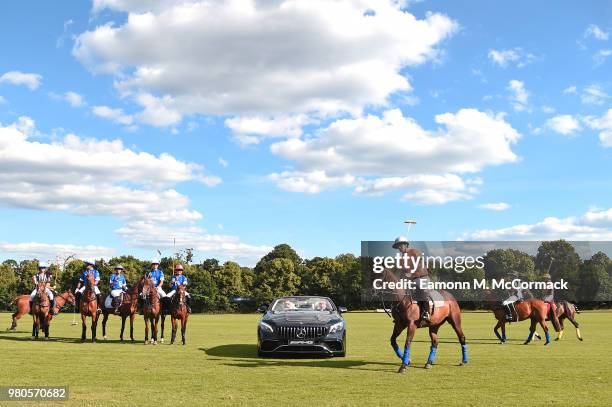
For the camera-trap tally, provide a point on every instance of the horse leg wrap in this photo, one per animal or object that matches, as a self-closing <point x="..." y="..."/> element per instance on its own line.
<point x="397" y="350"/>
<point x="498" y="336"/>
<point x="432" y="355"/>
<point x="560" y="335"/>
<point x="530" y="337"/>
<point x="464" y="353"/>
<point x="547" y="334"/>
<point x="578" y="333"/>
<point x="406" y="357"/>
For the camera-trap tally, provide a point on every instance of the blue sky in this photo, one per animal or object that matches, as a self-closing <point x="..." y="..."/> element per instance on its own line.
<point x="274" y="118"/>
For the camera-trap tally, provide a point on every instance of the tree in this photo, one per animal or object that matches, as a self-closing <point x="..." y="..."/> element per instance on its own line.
<point x="564" y="266"/>
<point x="498" y="263"/>
<point x="276" y="277"/>
<point x="281" y="251"/>
<point x="228" y="279"/>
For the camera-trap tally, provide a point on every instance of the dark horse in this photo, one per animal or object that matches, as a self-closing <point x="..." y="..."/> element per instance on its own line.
<point x="22" y="303"/>
<point x="88" y="306"/>
<point x="128" y="308"/>
<point x="178" y="310"/>
<point x="406" y="314"/>
<point x="532" y="309"/>
<point x="150" y="310"/>
<point x="40" y="311"/>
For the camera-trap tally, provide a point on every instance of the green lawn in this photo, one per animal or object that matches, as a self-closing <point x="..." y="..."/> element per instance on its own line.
<point x="219" y="366"/>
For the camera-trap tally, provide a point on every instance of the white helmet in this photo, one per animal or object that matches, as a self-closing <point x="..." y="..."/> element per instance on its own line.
<point x="90" y="261"/>
<point x="43" y="265"/>
<point x="399" y="241"/>
<point x="155" y="261"/>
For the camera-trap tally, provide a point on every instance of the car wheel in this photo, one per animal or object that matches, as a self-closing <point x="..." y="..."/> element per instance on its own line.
<point x="343" y="353"/>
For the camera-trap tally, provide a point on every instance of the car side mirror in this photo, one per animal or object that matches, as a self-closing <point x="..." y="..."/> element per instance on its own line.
<point x="342" y="309"/>
<point x="263" y="308"/>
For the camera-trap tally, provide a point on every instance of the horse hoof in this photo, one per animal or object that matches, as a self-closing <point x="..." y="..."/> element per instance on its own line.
<point x="428" y="366"/>
<point x="546" y="343"/>
<point x="171" y="342"/>
<point x="580" y="339"/>
<point x="557" y="339"/>
<point x="33" y="338"/>
<point x="46" y="338"/>
<point x="402" y="369"/>
<point x="161" y="340"/>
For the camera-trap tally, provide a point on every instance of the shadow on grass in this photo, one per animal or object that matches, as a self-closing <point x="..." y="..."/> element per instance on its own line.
<point x="66" y="340"/>
<point x="245" y="355"/>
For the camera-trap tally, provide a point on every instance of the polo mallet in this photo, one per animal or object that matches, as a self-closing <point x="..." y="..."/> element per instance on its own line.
<point x="409" y="224"/>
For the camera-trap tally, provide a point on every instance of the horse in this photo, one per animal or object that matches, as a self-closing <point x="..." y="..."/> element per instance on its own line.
<point x="40" y="311"/>
<point x="532" y="309"/>
<point x="128" y="308"/>
<point x="88" y="305"/>
<point x="150" y="310"/>
<point x="565" y="310"/>
<point x="178" y="310"/>
<point x="23" y="306"/>
<point x="406" y="315"/>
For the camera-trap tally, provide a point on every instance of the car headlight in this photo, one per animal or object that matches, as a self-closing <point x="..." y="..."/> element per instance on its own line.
<point x="337" y="327"/>
<point x="266" y="327"/>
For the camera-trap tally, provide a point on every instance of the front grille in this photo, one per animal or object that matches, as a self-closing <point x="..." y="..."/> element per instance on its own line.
<point x="302" y="332"/>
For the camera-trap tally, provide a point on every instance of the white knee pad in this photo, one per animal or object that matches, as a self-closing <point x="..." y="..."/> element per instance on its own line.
<point x="96" y="290"/>
<point x="50" y="294"/>
<point x="33" y="295"/>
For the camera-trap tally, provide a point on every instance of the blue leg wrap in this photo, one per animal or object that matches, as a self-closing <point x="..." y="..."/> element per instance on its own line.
<point x="432" y="355"/>
<point x="547" y="337"/>
<point x="530" y="337"/>
<point x="498" y="336"/>
<point x="397" y="350"/>
<point x="504" y="338"/>
<point x="406" y="358"/>
<point x="464" y="353"/>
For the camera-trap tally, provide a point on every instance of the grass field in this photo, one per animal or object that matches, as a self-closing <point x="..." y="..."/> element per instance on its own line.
<point x="219" y="366"/>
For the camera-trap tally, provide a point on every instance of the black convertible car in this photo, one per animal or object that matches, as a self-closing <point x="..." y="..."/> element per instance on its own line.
<point x="301" y="325"/>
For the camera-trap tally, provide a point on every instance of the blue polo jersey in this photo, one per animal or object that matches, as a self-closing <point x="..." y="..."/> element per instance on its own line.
<point x="156" y="275"/>
<point x="178" y="280"/>
<point x="84" y="274"/>
<point x="117" y="281"/>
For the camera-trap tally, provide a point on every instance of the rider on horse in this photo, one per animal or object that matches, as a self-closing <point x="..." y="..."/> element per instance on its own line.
<point x="549" y="298"/>
<point x="417" y="273"/>
<point x="158" y="279"/>
<point x="516" y="295"/>
<point x="177" y="280"/>
<point x="118" y="286"/>
<point x="43" y="276"/>
<point x="89" y="269"/>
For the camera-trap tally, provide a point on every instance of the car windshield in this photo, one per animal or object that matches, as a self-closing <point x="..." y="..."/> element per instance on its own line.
<point x="302" y="304"/>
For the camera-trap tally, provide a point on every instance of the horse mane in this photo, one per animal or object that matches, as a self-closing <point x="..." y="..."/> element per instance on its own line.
<point x="389" y="276"/>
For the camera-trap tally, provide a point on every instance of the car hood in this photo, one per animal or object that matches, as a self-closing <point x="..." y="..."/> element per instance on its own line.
<point x="301" y="317"/>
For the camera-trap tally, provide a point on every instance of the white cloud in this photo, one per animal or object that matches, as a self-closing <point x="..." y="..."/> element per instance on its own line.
<point x="601" y="56"/>
<point x="147" y="235"/>
<point x="89" y="176"/>
<point x="377" y="154"/>
<point x="261" y="59"/>
<point x="497" y="206"/>
<point x="519" y="96"/>
<point x="223" y="162"/>
<point x="603" y="123"/>
<point x="250" y="130"/>
<point x="594" y="31"/>
<point x="570" y="90"/>
<point x="594" y="225"/>
<point x="563" y="124"/>
<point x="516" y="56"/>
<point x="158" y="112"/>
<point x="74" y="99"/>
<point x="117" y="115"/>
<point x="52" y="251"/>
<point x="31" y="80"/>
<point x="3" y="100"/>
<point x="594" y="95"/>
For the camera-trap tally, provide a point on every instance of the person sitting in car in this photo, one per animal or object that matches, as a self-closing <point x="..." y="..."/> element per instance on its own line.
<point x="322" y="305"/>
<point x="288" y="305"/>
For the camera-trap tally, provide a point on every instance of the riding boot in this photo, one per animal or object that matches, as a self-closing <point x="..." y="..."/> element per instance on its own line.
<point x="31" y="305"/>
<point x="424" y="310"/>
<point x="52" y="310"/>
<point x="100" y="303"/>
<point x="188" y="302"/>
<point x="140" y="304"/>
<point x="508" y="313"/>
<point x="77" y="301"/>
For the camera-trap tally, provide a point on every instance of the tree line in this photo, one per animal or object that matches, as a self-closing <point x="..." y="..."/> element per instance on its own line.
<point x="230" y="287"/>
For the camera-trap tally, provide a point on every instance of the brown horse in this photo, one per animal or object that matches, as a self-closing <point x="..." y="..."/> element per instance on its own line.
<point x="22" y="302"/>
<point x="407" y="315"/>
<point x="150" y="310"/>
<point x="565" y="310"/>
<point x="178" y="310"/>
<point x="40" y="311"/>
<point x="89" y="308"/>
<point x="128" y="308"/>
<point x="532" y="309"/>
